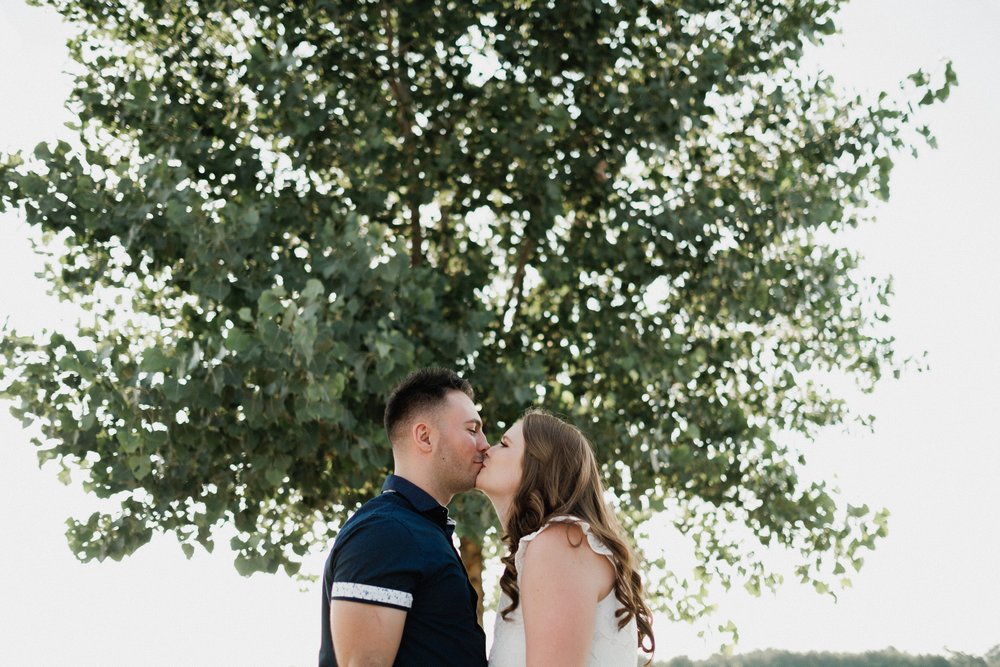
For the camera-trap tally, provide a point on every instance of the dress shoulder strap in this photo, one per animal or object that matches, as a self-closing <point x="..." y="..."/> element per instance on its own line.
<point x="593" y="541"/>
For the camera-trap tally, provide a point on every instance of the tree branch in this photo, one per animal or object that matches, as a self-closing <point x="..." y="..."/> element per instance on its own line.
<point x="399" y="85"/>
<point x="517" y="289"/>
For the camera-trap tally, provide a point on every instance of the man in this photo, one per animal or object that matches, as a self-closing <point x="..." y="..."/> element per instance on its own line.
<point x="395" y="591"/>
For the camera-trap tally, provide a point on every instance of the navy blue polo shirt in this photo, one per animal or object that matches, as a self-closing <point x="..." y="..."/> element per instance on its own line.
<point x="396" y="551"/>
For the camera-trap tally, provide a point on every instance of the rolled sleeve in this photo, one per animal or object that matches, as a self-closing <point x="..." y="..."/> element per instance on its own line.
<point x="376" y="564"/>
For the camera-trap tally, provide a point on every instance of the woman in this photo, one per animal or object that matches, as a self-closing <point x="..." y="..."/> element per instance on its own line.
<point x="570" y="592"/>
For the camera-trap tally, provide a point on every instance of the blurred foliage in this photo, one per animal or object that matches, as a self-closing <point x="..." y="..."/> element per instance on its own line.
<point x="884" y="658"/>
<point x="625" y="211"/>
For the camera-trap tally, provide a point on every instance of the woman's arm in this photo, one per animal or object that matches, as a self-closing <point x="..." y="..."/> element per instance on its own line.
<point x="561" y="585"/>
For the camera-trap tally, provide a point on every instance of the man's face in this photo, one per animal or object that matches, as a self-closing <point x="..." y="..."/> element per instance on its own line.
<point x="459" y="443"/>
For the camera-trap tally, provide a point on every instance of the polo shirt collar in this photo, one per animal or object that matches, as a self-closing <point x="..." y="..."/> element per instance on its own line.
<point x="422" y="502"/>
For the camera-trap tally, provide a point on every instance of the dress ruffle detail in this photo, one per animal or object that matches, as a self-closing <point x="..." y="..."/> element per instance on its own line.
<point x="592" y="540"/>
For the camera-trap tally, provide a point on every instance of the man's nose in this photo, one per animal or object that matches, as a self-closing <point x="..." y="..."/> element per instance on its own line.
<point x="483" y="444"/>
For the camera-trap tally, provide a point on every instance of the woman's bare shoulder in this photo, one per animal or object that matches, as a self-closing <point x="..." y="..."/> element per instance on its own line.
<point x="562" y="550"/>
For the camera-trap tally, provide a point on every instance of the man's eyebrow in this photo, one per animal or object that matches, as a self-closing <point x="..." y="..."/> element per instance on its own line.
<point x="477" y="421"/>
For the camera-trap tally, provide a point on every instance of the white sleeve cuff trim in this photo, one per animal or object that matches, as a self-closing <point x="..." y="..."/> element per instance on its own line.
<point x="365" y="593"/>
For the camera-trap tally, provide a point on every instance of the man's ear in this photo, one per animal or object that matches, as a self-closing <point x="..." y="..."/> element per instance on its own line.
<point x="422" y="436"/>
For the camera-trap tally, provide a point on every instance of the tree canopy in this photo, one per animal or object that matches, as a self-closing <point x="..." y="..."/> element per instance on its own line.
<point x="626" y="211"/>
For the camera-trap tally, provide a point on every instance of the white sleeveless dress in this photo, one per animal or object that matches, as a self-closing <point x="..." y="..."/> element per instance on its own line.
<point x="610" y="647"/>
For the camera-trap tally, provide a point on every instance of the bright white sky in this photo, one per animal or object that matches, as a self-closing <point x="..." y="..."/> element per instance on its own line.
<point x="934" y="460"/>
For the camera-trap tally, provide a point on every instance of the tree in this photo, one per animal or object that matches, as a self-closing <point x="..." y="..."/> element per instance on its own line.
<point x="624" y="211"/>
<point x="885" y="658"/>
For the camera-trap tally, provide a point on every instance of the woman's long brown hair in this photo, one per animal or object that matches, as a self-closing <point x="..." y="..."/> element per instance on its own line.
<point x="560" y="477"/>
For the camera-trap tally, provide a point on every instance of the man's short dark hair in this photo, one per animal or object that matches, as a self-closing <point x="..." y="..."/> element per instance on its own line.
<point x="423" y="389"/>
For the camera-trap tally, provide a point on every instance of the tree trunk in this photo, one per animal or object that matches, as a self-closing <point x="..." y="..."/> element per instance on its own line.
<point x="472" y="556"/>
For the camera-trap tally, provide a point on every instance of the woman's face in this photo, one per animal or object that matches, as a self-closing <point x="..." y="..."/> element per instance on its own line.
<point x="501" y="474"/>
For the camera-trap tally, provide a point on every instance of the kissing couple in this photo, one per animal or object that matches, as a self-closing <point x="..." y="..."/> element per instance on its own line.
<point x="395" y="591"/>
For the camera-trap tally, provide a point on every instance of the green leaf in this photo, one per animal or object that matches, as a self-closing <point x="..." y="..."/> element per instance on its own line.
<point x="246" y="566"/>
<point x="269" y="305"/>
<point x="275" y="476"/>
<point x="128" y="440"/>
<point x="154" y="361"/>
<point x="65" y="475"/>
<point x="140" y="466"/>
<point x="314" y="289"/>
<point x="238" y="342"/>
